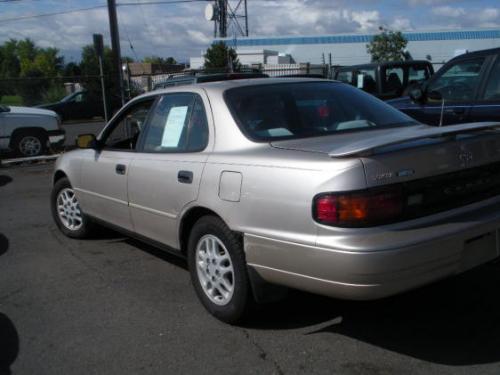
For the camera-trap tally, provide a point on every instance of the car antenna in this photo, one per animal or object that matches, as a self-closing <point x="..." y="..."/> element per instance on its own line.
<point x="442" y="112"/>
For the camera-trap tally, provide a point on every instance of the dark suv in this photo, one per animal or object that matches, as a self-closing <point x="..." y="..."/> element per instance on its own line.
<point x="466" y="89"/>
<point x="386" y="80"/>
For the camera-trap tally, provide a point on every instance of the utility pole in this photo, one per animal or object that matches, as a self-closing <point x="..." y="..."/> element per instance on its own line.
<point x="99" y="50"/>
<point x="222" y="7"/>
<point x="246" y="19"/>
<point x="115" y="46"/>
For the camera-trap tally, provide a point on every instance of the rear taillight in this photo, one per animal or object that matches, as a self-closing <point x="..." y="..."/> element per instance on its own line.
<point x="359" y="209"/>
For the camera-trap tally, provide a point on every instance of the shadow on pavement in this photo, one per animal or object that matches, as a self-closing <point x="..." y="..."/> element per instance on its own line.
<point x="166" y="256"/>
<point x="4" y="244"/>
<point x="9" y="344"/>
<point x="454" y="322"/>
<point x="4" y="180"/>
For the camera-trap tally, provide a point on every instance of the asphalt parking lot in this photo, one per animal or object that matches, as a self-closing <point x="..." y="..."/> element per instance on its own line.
<point x="112" y="305"/>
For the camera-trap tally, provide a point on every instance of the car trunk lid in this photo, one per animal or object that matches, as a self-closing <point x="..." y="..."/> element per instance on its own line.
<point x="403" y="154"/>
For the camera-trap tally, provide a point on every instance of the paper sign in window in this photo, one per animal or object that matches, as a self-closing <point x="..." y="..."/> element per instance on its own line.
<point x="174" y="126"/>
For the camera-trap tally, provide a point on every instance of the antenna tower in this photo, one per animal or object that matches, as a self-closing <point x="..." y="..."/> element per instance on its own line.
<point x="230" y="17"/>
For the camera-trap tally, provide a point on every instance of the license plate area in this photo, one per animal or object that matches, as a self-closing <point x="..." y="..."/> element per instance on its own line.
<point x="479" y="250"/>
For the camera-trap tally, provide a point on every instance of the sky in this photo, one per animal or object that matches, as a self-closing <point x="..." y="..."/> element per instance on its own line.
<point x="181" y="31"/>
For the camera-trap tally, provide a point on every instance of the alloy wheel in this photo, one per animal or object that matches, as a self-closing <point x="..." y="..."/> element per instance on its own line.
<point x="215" y="269"/>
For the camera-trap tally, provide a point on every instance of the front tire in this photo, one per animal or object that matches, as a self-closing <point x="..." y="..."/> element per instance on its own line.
<point x="66" y="211"/>
<point x="218" y="269"/>
<point x="30" y="144"/>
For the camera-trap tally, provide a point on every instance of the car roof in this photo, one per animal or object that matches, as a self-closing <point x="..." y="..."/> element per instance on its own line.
<point x="490" y="51"/>
<point x="382" y="64"/>
<point x="210" y="77"/>
<point x="221" y="86"/>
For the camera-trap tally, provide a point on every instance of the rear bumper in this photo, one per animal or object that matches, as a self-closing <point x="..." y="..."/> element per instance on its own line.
<point x="373" y="274"/>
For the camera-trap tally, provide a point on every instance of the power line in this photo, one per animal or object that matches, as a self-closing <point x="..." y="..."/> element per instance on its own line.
<point x="52" y="14"/>
<point x="20" y="18"/>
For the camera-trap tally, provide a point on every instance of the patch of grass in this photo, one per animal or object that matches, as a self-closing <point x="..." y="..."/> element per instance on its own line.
<point x="11" y="100"/>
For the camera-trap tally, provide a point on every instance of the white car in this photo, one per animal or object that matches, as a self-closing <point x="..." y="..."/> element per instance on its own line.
<point x="29" y="131"/>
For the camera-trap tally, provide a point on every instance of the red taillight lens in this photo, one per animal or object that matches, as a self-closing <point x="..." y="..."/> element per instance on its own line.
<point x="326" y="209"/>
<point x="359" y="209"/>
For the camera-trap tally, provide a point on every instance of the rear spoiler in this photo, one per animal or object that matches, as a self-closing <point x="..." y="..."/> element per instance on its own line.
<point x="367" y="146"/>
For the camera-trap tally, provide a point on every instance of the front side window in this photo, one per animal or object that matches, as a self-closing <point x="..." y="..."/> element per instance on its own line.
<point x="300" y="110"/>
<point x="366" y="80"/>
<point x="418" y="74"/>
<point x="79" y="98"/>
<point x="459" y="81"/>
<point x="493" y="87"/>
<point x="178" y="124"/>
<point x="393" y="82"/>
<point x="124" y="132"/>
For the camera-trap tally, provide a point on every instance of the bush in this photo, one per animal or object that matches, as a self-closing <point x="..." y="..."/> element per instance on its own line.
<point x="54" y="94"/>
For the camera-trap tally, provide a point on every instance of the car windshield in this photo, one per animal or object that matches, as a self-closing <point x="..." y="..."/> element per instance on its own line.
<point x="308" y="109"/>
<point x="69" y="97"/>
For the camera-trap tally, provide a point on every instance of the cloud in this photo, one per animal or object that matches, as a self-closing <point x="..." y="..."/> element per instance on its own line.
<point x="447" y="11"/>
<point x="401" y="23"/>
<point x="459" y="17"/>
<point x="428" y="2"/>
<point x="181" y="31"/>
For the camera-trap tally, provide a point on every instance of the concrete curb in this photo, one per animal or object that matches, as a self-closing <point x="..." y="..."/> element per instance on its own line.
<point x="29" y="160"/>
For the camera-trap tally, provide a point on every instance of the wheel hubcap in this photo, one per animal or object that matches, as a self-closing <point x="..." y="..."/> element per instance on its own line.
<point x="68" y="209"/>
<point x="30" y="146"/>
<point x="215" y="269"/>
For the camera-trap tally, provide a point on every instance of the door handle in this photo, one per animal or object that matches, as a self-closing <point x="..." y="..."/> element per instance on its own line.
<point x="185" y="177"/>
<point x="120" y="168"/>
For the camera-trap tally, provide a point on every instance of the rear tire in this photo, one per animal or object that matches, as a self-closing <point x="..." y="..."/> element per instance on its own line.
<point x="67" y="213"/>
<point x="218" y="269"/>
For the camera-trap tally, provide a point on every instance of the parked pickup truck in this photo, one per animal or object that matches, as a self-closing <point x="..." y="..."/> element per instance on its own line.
<point x="29" y="131"/>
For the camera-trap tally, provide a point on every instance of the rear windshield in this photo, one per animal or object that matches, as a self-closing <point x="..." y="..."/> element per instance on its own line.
<point x="308" y="109"/>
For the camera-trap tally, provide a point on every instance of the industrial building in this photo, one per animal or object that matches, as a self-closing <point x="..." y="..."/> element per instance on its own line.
<point x="350" y="49"/>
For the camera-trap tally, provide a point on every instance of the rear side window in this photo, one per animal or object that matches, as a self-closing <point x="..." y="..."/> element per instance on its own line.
<point x="312" y="109"/>
<point x="178" y="123"/>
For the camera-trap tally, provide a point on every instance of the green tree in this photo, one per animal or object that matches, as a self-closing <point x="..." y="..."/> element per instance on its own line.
<point x="48" y="62"/>
<point x="28" y="71"/>
<point x="387" y="46"/>
<point x="159" y="60"/>
<point x="9" y="67"/>
<point x="220" y="56"/>
<point x="71" y="69"/>
<point x="89" y="67"/>
<point x="9" y="61"/>
<point x="127" y="59"/>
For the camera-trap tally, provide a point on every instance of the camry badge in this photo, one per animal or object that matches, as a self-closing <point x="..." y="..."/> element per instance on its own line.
<point x="405" y="173"/>
<point x="465" y="157"/>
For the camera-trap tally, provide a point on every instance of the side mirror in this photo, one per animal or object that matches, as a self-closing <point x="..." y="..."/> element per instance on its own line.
<point x="435" y="95"/>
<point x="417" y="95"/>
<point x="86" y="141"/>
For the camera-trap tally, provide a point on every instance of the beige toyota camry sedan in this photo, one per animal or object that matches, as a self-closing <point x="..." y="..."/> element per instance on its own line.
<point x="269" y="184"/>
